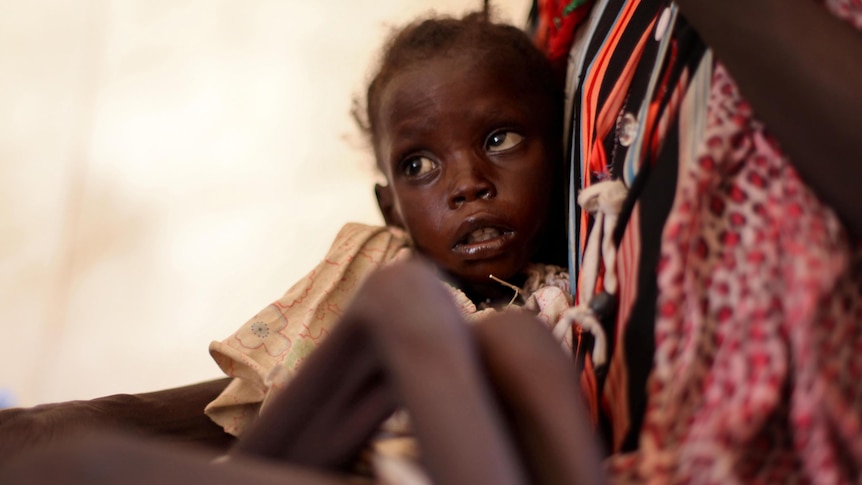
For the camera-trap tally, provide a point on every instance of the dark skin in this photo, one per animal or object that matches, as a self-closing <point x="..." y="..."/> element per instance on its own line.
<point x="174" y="415"/>
<point x="469" y="165"/>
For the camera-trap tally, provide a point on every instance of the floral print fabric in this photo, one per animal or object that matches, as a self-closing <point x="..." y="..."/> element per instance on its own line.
<point x="759" y="324"/>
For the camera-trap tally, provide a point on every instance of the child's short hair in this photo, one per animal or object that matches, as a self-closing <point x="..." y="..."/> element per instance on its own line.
<point x="435" y="37"/>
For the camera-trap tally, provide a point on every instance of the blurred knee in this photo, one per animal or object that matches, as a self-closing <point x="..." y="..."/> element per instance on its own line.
<point x="409" y="281"/>
<point x="518" y="336"/>
<point x="516" y="329"/>
<point x="407" y="302"/>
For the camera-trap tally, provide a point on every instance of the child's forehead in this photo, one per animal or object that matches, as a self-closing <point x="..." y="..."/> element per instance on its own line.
<point x="479" y="56"/>
<point x="473" y="68"/>
<point x="471" y="84"/>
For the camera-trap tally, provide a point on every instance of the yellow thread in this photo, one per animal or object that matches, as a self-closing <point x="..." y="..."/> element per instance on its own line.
<point x="509" y="285"/>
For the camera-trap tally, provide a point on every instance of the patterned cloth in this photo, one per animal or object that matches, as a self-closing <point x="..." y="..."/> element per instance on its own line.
<point x="753" y="302"/>
<point x="627" y="77"/>
<point x="286" y="331"/>
<point x="759" y="326"/>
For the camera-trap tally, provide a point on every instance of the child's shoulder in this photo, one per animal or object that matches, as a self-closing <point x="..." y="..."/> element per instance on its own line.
<point x="357" y="237"/>
<point x="362" y="231"/>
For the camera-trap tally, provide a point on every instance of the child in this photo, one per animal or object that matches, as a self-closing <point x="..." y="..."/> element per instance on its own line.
<point x="464" y="118"/>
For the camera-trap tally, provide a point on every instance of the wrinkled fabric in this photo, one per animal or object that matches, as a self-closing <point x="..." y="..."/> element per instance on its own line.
<point x="285" y="332"/>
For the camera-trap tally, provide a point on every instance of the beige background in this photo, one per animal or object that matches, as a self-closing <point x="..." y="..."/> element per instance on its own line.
<point x="167" y="168"/>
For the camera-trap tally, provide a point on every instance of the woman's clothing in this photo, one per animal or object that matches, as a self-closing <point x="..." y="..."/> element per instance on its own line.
<point x="738" y="323"/>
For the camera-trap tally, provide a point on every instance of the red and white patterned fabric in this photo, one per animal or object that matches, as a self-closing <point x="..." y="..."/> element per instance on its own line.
<point x="758" y="332"/>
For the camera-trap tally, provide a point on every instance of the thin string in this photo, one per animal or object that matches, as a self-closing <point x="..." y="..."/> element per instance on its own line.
<point x="508" y="285"/>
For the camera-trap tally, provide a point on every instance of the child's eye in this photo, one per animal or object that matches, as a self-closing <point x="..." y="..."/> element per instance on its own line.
<point x="500" y="141"/>
<point x="417" y="166"/>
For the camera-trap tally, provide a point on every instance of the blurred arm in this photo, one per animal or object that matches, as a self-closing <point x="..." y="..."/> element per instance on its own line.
<point x="174" y="414"/>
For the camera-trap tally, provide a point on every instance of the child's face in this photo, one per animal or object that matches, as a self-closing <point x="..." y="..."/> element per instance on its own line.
<point x="466" y="150"/>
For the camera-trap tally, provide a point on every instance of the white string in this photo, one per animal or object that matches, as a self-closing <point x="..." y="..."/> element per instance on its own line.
<point x="508" y="285"/>
<point x="604" y="201"/>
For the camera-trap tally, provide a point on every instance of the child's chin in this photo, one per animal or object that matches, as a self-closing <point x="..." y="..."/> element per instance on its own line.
<point x="480" y="273"/>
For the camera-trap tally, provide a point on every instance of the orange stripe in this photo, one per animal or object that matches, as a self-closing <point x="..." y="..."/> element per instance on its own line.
<point x="590" y="390"/>
<point x="594" y="151"/>
<point x="591" y="90"/>
<point x="615" y="399"/>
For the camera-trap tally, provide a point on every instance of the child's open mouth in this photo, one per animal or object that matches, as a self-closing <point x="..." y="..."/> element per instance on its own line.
<point x="483" y="242"/>
<point x="483" y="234"/>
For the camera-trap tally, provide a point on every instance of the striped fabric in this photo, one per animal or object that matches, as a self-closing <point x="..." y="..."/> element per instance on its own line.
<point x="631" y="67"/>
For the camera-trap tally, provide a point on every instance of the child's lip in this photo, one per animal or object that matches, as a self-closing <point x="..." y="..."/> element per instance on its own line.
<point x="500" y="232"/>
<point x="479" y="221"/>
<point x="485" y="249"/>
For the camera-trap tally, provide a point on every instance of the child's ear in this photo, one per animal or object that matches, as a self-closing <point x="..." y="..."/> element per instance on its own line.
<point x="386" y="203"/>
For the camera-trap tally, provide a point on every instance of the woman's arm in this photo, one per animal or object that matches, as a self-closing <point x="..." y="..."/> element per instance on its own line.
<point x="801" y="69"/>
<point x="111" y="459"/>
<point x="174" y="414"/>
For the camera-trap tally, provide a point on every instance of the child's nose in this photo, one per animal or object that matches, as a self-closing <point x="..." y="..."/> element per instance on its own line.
<point x="469" y="183"/>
